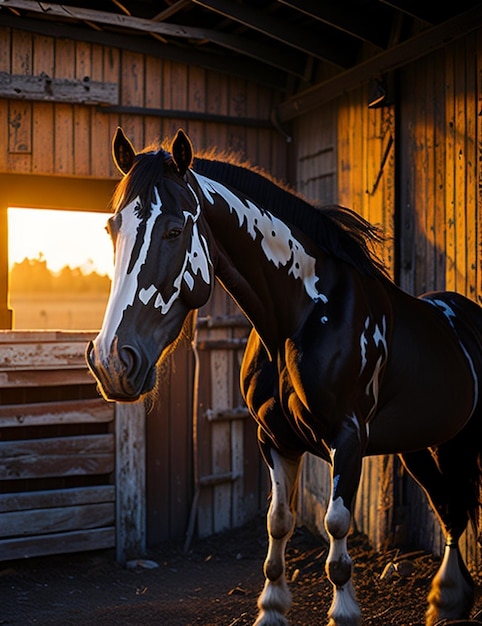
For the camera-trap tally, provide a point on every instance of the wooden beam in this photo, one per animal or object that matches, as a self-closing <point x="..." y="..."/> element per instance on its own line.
<point x="6" y="314"/>
<point x="57" y="456"/>
<point x="352" y="22"/>
<point x="45" y="89"/>
<point x="253" y="49"/>
<point x="57" y="543"/>
<point x="26" y="500"/>
<point x="415" y="48"/>
<point x="244" y="68"/>
<point x="94" y="410"/>
<point x="55" y="192"/>
<point x="302" y="39"/>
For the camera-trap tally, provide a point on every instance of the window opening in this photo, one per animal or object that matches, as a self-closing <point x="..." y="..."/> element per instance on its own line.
<point x="60" y="264"/>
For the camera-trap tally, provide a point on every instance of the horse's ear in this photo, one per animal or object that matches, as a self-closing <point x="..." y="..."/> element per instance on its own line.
<point x="182" y="151"/>
<point x="123" y="152"/>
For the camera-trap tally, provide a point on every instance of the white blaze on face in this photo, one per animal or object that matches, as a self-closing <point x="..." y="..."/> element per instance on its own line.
<point x="278" y="243"/>
<point x="124" y="285"/>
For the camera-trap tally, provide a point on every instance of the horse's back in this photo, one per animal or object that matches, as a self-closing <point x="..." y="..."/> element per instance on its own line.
<point x="465" y="318"/>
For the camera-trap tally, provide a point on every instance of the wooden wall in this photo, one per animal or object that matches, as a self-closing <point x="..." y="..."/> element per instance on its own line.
<point x="57" y="155"/>
<point x="440" y="232"/>
<point x="414" y="169"/>
<point x="69" y="139"/>
<point x="440" y="140"/>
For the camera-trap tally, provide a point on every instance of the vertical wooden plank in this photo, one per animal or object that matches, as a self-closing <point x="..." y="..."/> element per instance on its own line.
<point x="5" y="60"/>
<point x="175" y="95"/>
<point x="439" y="174"/>
<point x="64" y="113"/>
<point x="81" y="113"/>
<point x="152" y="97"/>
<point x="478" y="203"/>
<point x="132" y="94"/>
<point x="425" y="203"/>
<point x="221" y="435"/>
<point x="6" y="314"/>
<point x="158" y="483"/>
<point x="19" y="112"/>
<point x="196" y="103"/>
<point x="450" y="215"/>
<point x="217" y="97"/>
<point x="105" y="66"/>
<point x="130" y="480"/>
<point x="43" y="112"/>
<point x="460" y="157"/>
<point x="237" y="108"/>
<point x="180" y="438"/>
<point x="471" y="115"/>
<point x="204" y="460"/>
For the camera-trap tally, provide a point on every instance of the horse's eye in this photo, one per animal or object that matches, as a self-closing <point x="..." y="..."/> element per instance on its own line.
<point x="173" y="233"/>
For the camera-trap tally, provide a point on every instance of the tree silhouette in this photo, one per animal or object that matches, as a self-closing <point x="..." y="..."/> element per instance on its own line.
<point x="33" y="276"/>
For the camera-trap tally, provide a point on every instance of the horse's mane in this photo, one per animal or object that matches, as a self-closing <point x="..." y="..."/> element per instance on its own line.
<point x="337" y="230"/>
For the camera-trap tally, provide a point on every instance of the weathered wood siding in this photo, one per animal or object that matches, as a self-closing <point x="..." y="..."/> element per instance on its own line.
<point x="440" y="140"/>
<point x="70" y="139"/>
<point x="56" y="154"/>
<point x="440" y="233"/>
<point x="231" y="478"/>
<point x="415" y="171"/>
<point x="57" y="449"/>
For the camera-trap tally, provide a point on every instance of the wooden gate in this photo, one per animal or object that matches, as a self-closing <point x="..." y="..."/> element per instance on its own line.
<point x="204" y="470"/>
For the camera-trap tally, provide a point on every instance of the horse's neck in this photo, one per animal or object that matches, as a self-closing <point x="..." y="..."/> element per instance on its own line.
<point x="261" y="262"/>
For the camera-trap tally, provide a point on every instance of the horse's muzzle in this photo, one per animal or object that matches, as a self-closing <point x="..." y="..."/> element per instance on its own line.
<point x="123" y="375"/>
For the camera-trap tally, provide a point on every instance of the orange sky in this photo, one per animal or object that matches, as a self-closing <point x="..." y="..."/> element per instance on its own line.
<point x="63" y="238"/>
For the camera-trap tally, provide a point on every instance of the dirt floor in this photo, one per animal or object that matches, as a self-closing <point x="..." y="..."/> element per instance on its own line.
<point x="215" y="584"/>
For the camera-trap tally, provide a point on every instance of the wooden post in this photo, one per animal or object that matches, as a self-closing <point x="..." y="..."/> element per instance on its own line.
<point x="130" y="434"/>
<point x="5" y="311"/>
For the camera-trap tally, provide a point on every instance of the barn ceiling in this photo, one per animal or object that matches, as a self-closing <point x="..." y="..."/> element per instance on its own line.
<point x="309" y="50"/>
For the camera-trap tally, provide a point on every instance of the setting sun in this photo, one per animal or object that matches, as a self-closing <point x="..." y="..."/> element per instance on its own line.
<point x="76" y="239"/>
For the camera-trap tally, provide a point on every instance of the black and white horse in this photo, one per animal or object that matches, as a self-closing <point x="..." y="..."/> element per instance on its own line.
<point x="340" y="362"/>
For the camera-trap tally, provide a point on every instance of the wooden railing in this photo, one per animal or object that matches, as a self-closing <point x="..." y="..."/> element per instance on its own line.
<point x="65" y="453"/>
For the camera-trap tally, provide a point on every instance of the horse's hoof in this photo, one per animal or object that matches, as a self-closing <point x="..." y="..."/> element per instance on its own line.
<point x="271" y="618"/>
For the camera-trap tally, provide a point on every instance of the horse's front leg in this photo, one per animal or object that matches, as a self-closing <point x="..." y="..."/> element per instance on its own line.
<point x="275" y="599"/>
<point x="346" y="451"/>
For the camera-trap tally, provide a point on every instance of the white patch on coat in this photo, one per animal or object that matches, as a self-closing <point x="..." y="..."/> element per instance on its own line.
<point x="380" y="341"/>
<point x="451" y="316"/>
<point x="278" y="243"/>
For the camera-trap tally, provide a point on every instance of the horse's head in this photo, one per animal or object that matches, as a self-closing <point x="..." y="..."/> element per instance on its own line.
<point x="162" y="267"/>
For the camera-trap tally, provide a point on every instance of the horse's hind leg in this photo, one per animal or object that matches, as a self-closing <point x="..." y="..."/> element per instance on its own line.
<point x="445" y="483"/>
<point x="275" y="599"/>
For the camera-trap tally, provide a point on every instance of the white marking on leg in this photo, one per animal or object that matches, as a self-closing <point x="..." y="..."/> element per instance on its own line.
<point x="344" y="608"/>
<point x="451" y="595"/>
<point x="275" y="599"/>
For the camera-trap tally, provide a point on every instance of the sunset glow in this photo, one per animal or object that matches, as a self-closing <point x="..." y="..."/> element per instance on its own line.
<point x="61" y="238"/>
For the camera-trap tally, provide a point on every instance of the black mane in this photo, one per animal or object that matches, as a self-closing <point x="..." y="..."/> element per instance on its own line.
<point x="337" y="230"/>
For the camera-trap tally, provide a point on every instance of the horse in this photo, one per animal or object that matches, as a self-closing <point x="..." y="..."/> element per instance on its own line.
<point x="340" y="362"/>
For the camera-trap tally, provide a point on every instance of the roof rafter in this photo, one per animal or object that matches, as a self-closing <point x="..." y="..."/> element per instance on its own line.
<point x="259" y="51"/>
<point x="352" y="22"/>
<point x="287" y="33"/>
<point x="244" y="68"/>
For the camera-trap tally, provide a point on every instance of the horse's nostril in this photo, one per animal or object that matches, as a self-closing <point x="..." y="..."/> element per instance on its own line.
<point x="131" y="359"/>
